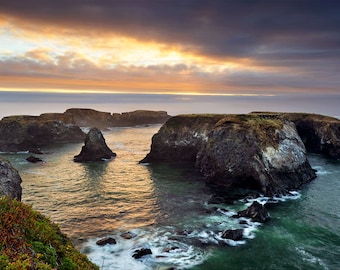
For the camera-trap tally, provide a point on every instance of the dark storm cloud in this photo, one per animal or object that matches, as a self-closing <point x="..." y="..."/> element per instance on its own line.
<point x="262" y="30"/>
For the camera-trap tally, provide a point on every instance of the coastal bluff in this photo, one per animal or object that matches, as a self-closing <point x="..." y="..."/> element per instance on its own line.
<point x="30" y="133"/>
<point x="258" y="151"/>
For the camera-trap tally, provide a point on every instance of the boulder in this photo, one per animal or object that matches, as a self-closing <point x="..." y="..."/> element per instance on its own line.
<point x="141" y="252"/>
<point x="235" y="235"/>
<point x="29" y="133"/>
<point x="244" y="151"/>
<point x="95" y="148"/>
<point x="10" y="181"/>
<point x="33" y="159"/>
<point x="257" y="212"/>
<point x="106" y="241"/>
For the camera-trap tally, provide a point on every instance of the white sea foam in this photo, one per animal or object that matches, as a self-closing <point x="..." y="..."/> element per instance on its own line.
<point x="320" y="170"/>
<point x="308" y="257"/>
<point x="166" y="251"/>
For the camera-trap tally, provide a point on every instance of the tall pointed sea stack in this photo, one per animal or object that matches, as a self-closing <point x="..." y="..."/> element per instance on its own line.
<point x="95" y="148"/>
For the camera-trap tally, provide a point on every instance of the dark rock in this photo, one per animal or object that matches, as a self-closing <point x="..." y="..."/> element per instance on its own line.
<point x="95" y="148"/>
<point x="105" y="241"/>
<point x="128" y="235"/>
<point x="103" y="120"/>
<point x="139" y="117"/>
<point x="319" y="133"/>
<point x="236" y="151"/>
<point x="141" y="252"/>
<point x="10" y="181"/>
<point x="33" y="159"/>
<point x="257" y="212"/>
<point x="235" y="235"/>
<point x="29" y="133"/>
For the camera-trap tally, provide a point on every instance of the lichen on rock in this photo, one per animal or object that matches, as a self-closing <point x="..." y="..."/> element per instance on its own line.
<point x="248" y="151"/>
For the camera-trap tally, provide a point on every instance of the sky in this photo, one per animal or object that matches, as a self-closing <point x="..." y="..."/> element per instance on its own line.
<point x="207" y="47"/>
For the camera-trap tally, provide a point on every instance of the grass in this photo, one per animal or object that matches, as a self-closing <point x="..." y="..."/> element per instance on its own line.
<point x="28" y="240"/>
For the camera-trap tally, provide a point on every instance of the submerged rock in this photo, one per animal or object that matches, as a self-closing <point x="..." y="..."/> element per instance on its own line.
<point x="33" y="159"/>
<point x="235" y="235"/>
<point x="244" y="151"/>
<point x="10" y="181"/>
<point x="141" y="252"/>
<point x="95" y="148"/>
<point x="106" y="241"/>
<point x="257" y="212"/>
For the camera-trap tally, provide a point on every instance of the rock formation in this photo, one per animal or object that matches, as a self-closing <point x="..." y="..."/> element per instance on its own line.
<point x="33" y="159"/>
<point x="248" y="151"/>
<point x="29" y="133"/>
<point x="103" y="120"/>
<point x="10" y="181"/>
<point x="95" y="148"/>
<point x="319" y="133"/>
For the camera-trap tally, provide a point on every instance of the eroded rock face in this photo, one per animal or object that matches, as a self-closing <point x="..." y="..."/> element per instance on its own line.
<point x="95" y="148"/>
<point x="319" y="133"/>
<point x="29" y="133"/>
<point x="247" y="151"/>
<point x="10" y="181"/>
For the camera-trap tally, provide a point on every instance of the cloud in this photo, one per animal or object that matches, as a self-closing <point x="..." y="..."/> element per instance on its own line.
<point x="198" y="45"/>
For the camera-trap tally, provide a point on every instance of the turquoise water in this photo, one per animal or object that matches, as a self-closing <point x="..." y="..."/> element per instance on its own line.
<point x="167" y="209"/>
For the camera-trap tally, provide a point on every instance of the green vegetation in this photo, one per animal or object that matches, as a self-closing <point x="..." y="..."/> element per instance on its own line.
<point x="28" y="240"/>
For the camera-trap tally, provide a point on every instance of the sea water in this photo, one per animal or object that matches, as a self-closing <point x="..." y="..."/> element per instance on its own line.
<point x="171" y="211"/>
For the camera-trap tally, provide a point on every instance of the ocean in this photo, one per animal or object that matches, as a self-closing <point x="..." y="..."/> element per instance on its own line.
<point x="171" y="211"/>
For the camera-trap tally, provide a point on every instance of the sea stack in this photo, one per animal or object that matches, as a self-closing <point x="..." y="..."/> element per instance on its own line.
<point x="255" y="152"/>
<point x="95" y="148"/>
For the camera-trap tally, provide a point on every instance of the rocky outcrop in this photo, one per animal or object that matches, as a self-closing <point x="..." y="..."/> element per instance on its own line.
<point x="33" y="159"/>
<point x="319" y="133"/>
<point x="29" y="133"/>
<point x="103" y="120"/>
<point x="10" y="181"/>
<point x="95" y="148"/>
<point x="257" y="212"/>
<point x="248" y="151"/>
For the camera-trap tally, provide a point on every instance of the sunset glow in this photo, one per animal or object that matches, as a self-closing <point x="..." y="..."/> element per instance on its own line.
<point x="87" y="49"/>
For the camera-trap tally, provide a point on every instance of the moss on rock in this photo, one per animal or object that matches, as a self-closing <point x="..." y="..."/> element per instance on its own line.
<point x="28" y="240"/>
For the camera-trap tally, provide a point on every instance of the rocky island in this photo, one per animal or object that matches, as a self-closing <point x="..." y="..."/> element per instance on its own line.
<point x="30" y="133"/>
<point x="261" y="151"/>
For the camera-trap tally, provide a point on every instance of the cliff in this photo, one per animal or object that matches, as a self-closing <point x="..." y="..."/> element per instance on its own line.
<point x="103" y="120"/>
<point x="29" y="240"/>
<point x="249" y="151"/>
<point x="29" y="133"/>
<point x="319" y="133"/>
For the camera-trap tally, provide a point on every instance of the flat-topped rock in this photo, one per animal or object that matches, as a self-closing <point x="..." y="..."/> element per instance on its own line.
<point x="248" y="151"/>
<point x="95" y="148"/>
<point x="29" y="133"/>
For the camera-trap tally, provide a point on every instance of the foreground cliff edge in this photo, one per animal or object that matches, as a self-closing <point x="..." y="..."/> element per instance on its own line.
<point x="28" y="240"/>
<point x="265" y="152"/>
